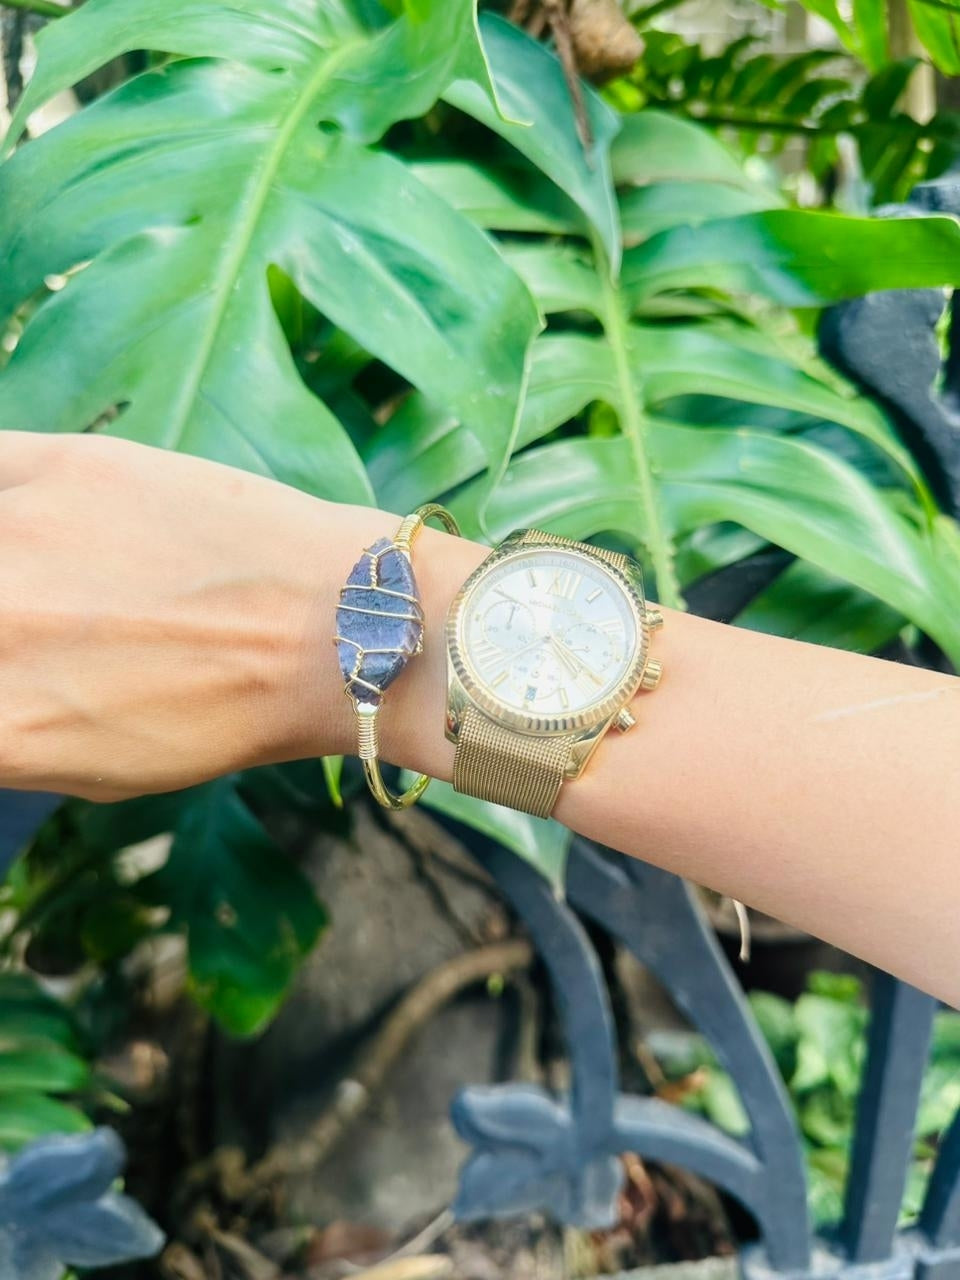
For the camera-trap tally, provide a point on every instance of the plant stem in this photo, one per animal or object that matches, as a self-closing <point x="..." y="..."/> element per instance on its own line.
<point x="236" y="246"/>
<point x="933" y="128"/>
<point x="633" y="424"/>
<point x="723" y="120"/>
<point x="375" y="1060"/>
<point x="45" y="8"/>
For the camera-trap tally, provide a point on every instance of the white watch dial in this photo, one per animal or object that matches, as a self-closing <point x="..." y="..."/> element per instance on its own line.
<point x="548" y="632"/>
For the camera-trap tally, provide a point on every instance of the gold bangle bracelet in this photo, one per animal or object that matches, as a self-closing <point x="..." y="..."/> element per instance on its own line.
<point x="379" y="628"/>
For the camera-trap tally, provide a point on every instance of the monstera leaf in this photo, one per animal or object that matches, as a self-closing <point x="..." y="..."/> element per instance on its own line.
<point x="529" y="105"/>
<point x="680" y="325"/>
<point x="248" y="913"/>
<point x="182" y="189"/>
<point x="800" y="258"/>
<point x="543" y="842"/>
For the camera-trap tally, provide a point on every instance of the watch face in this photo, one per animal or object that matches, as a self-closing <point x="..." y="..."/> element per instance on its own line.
<point x="548" y="633"/>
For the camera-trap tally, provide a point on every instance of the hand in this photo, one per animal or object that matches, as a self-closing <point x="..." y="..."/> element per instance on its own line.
<point x="164" y="620"/>
<point x="157" y="617"/>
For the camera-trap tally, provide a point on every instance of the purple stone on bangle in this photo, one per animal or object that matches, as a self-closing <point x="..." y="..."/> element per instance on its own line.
<point x="379" y="621"/>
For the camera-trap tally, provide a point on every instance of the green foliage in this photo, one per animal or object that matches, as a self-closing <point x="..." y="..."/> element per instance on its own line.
<point x="671" y="327"/>
<point x="541" y="841"/>
<point x="864" y="28"/>
<point x="248" y="913"/>
<point x="43" y="1064"/>
<point x="937" y="25"/>
<point x="809" y="100"/>
<point x="530" y="108"/>
<point x="359" y="246"/>
<point x="321" y="241"/>
<point x="809" y="604"/>
<point x="819" y="1045"/>
<point x="186" y="184"/>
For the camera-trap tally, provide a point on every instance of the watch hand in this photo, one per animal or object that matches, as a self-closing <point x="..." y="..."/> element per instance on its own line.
<point x="526" y="648"/>
<point x="566" y="657"/>
<point x="576" y="666"/>
<point x="506" y="595"/>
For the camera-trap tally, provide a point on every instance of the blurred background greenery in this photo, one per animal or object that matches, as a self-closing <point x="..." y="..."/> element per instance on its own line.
<point x="589" y="302"/>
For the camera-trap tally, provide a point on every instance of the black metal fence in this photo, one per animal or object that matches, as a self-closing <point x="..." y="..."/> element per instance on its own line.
<point x="532" y="1150"/>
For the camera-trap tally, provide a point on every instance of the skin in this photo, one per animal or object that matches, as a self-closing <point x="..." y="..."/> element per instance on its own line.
<point x="164" y="620"/>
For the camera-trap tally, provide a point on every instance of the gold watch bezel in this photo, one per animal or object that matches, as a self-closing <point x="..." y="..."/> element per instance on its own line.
<point x="630" y="583"/>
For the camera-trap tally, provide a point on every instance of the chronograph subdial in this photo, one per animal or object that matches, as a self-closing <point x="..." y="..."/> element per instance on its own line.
<point x="535" y="673"/>
<point x="509" y="625"/>
<point x="546" y="633"/>
<point x="594" y="648"/>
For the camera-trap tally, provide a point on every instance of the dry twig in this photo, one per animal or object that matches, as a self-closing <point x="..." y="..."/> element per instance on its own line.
<point x="226" y="1168"/>
<point x="558" y="17"/>
<point x="353" y="1096"/>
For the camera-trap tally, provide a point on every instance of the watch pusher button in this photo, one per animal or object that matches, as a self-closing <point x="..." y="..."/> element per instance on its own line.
<point x="651" y="674"/>
<point x="654" y="619"/>
<point x="625" y="719"/>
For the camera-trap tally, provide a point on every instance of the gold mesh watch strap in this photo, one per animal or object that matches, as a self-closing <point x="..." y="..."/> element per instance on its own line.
<point x="519" y="770"/>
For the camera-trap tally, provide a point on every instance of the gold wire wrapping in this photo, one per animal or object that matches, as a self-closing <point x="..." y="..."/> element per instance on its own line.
<point x="368" y="713"/>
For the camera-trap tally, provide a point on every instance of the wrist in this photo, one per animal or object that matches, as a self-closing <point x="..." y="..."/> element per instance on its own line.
<point x="309" y="715"/>
<point x="414" y="714"/>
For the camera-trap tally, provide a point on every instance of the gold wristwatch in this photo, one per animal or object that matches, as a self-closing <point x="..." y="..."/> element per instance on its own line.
<point x="547" y="644"/>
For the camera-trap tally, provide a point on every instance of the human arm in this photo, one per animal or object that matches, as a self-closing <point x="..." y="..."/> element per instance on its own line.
<point x="164" y="620"/>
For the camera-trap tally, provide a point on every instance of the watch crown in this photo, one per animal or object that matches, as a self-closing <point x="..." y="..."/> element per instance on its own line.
<point x="625" y="719"/>
<point x="654" y="619"/>
<point x="651" y="674"/>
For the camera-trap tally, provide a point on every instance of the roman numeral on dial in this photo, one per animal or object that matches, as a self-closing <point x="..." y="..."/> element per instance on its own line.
<point x="565" y="585"/>
<point x="487" y="655"/>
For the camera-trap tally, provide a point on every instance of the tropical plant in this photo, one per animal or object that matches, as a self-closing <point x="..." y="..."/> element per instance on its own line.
<point x="386" y="300"/>
<point x="248" y="912"/>
<point x="819" y="1044"/>
<point x="44" y="1064"/>
<point x="361" y="247"/>
<point x="809" y="100"/>
<point x="866" y="30"/>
